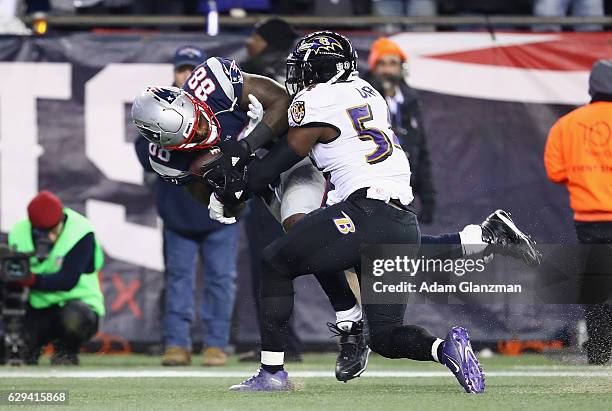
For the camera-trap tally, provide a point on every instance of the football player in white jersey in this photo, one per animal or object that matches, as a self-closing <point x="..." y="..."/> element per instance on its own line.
<point x="341" y="122"/>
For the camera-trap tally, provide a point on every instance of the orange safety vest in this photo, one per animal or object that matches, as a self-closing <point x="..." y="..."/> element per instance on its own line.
<point x="578" y="154"/>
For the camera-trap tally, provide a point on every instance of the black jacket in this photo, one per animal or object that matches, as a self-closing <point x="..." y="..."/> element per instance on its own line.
<point x="269" y="63"/>
<point x="409" y="128"/>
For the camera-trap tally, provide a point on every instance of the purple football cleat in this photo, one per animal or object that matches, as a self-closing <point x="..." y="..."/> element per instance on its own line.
<point x="265" y="381"/>
<point x="460" y="359"/>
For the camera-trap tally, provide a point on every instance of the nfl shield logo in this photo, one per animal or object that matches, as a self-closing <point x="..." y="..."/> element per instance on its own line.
<point x="298" y="111"/>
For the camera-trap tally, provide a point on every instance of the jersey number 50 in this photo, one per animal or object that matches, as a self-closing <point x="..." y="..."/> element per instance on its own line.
<point x="200" y="84"/>
<point x="384" y="146"/>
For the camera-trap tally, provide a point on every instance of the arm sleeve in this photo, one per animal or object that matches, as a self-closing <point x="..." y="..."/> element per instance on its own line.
<point x="264" y="171"/>
<point x="78" y="260"/>
<point x="141" y="145"/>
<point x="554" y="161"/>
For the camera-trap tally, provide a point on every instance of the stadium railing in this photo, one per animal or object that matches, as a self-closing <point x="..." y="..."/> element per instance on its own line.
<point x="354" y="22"/>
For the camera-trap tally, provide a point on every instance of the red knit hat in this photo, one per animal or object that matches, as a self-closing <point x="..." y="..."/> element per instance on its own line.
<point x="45" y="210"/>
<point x="384" y="47"/>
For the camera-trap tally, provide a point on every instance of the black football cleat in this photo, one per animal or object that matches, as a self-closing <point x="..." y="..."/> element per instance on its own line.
<point x="499" y="231"/>
<point x="354" y="352"/>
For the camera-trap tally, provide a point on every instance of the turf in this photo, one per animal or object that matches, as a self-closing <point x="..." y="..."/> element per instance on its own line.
<point x="551" y="392"/>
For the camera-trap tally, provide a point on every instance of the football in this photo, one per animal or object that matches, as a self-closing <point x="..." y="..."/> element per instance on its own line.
<point x="204" y="161"/>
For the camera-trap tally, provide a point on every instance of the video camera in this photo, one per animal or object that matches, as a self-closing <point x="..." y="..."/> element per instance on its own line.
<point x="14" y="267"/>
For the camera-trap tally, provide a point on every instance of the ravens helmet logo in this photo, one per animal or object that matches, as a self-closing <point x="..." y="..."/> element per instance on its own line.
<point x="321" y="43"/>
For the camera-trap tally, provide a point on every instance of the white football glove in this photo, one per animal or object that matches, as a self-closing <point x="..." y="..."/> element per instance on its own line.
<point x="215" y="211"/>
<point x="255" y="113"/>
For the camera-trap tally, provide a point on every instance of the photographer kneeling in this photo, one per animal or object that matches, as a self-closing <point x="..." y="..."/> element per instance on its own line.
<point x="65" y="300"/>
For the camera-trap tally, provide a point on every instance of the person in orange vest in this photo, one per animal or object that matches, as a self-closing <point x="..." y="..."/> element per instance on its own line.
<point x="578" y="154"/>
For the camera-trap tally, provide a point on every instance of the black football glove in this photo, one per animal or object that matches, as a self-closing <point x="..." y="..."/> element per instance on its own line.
<point x="229" y="185"/>
<point x="235" y="154"/>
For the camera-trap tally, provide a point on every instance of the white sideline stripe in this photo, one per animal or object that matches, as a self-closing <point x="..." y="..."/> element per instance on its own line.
<point x="567" y="367"/>
<point x="297" y="374"/>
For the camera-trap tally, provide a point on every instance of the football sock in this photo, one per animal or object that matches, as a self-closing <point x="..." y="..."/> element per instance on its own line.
<point x="272" y="361"/>
<point x="471" y="240"/>
<point x="345" y="319"/>
<point x="449" y="238"/>
<point x="436" y="349"/>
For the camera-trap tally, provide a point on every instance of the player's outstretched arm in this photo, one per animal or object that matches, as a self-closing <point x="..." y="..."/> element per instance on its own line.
<point x="284" y="154"/>
<point x="275" y="101"/>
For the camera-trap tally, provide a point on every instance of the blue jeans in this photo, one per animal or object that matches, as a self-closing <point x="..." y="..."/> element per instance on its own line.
<point x="218" y="249"/>
<point x="560" y="8"/>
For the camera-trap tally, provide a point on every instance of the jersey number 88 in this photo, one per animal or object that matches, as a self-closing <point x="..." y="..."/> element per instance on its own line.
<point x="201" y="85"/>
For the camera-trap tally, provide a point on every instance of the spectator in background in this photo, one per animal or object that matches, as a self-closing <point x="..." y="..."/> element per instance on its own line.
<point x="578" y="154"/>
<point x="65" y="299"/>
<point x="405" y="8"/>
<point x="189" y="232"/>
<point x="388" y="69"/>
<point x="560" y="8"/>
<point x="267" y="48"/>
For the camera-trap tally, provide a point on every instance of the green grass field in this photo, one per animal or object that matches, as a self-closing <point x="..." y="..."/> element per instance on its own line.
<point x="138" y="383"/>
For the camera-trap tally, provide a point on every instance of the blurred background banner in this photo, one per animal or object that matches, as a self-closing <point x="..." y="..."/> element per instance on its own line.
<point x="488" y="103"/>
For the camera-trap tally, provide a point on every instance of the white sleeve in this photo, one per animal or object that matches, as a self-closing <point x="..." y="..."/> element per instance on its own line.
<point x="311" y="107"/>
